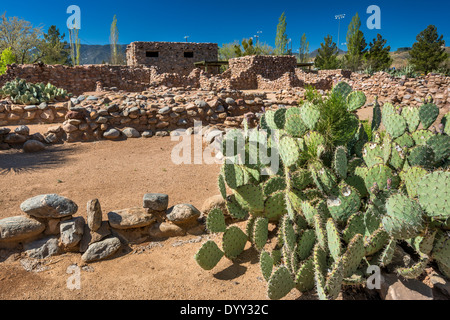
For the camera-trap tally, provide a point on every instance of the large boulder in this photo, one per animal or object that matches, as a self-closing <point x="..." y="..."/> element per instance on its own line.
<point x="49" y="206"/>
<point x="19" y="228"/>
<point x="101" y="250"/>
<point x="130" y="218"/>
<point x="33" y="146"/>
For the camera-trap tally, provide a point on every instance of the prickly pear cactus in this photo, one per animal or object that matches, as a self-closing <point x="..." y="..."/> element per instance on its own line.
<point x="22" y="92"/>
<point x="338" y="207"/>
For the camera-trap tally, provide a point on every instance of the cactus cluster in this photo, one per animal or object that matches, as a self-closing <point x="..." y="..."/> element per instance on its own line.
<point x="22" y="92"/>
<point x="339" y="207"/>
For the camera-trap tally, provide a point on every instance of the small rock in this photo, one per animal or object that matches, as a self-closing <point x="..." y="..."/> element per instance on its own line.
<point x="162" y="134"/>
<point x="19" y="228"/>
<point x="131" y="133"/>
<point x="101" y="250"/>
<point x="42" y="248"/>
<point x="94" y="214"/>
<point x="23" y="130"/>
<point x="214" y="202"/>
<point x="90" y="237"/>
<point x="230" y="101"/>
<point x="164" y="110"/>
<point x="111" y="134"/>
<point x="49" y="206"/>
<point x="130" y="218"/>
<point x="71" y="232"/>
<point x="183" y="215"/>
<point x="14" y="138"/>
<point x="147" y="134"/>
<point x="156" y="201"/>
<point x="166" y="230"/>
<point x="397" y="288"/>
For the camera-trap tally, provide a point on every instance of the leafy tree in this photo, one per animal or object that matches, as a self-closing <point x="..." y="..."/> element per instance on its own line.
<point x="245" y="48"/>
<point x="327" y="55"/>
<point x="281" y="40"/>
<point x="429" y="50"/>
<point x="21" y="37"/>
<point x="7" y="57"/>
<point x="356" y="45"/>
<point x="377" y="56"/>
<point x="54" y="50"/>
<point x="228" y="50"/>
<point x="304" y="49"/>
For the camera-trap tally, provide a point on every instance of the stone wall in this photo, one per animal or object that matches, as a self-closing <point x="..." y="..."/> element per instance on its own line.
<point x="81" y="79"/>
<point x="243" y="72"/>
<point x="171" y="57"/>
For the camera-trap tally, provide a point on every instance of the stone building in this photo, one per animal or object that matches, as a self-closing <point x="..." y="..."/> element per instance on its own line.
<point x="171" y="57"/>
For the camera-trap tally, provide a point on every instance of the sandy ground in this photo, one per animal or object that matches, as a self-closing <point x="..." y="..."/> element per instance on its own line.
<point x="119" y="174"/>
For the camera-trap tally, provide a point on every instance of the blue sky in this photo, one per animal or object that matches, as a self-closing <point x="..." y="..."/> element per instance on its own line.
<point x="225" y="21"/>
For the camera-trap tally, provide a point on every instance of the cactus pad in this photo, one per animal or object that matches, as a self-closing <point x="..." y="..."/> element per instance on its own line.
<point x="395" y="125"/>
<point x="260" y="233"/>
<point x="250" y="197"/>
<point x="304" y="279"/>
<point x="305" y="244"/>
<point x="434" y="193"/>
<point x="440" y="145"/>
<point x="233" y="242"/>
<point x="280" y="283"/>
<point x="355" y="100"/>
<point x="215" y="221"/>
<point x="209" y="255"/>
<point x="310" y="114"/>
<point x="294" y="124"/>
<point x="289" y="151"/>
<point x="411" y="179"/>
<point x="403" y="219"/>
<point x="412" y="118"/>
<point x="266" y="264"/>
<point x="428" y="114"/>
<point x="347" y="202"/>
<point x="342" y="88"/>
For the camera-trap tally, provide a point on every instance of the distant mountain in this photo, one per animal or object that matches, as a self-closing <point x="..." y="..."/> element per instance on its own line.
<point x="97" y="54"/>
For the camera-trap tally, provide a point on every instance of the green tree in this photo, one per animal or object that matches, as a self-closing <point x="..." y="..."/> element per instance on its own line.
<point x="429" y="50"/>
<point x="378" y="55"/>
<point x="7" y="57"/>
<point x="326" y="58"/>
<point x="303" y="55"/>
<point x="356" y="45"/>
<point x="281" y="39"/>
<point x="75" y="45"/>
<point x="21" y="37"/>
<point x="245" y="48"/>
<point x="117" y="57"/>
<point x="54" y="50"/>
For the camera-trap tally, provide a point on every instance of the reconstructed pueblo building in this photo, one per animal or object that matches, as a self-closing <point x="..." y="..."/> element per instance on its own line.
<point x="171" y="57"/>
